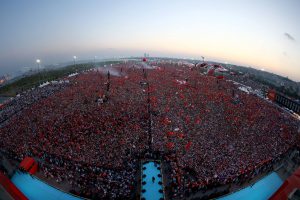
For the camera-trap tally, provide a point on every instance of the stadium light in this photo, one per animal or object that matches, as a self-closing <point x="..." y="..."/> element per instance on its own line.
<point x="95" y="60"/>
<point x="38" y="61"/>
<point x="74" y="58"/>
<point x="202" y="58"/>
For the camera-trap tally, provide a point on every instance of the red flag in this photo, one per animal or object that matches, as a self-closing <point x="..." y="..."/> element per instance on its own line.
<point x="170" y="145"/>
<point x="170" y="133"/>
<point x="181" y="135"/>
<point x="188" y="145"/>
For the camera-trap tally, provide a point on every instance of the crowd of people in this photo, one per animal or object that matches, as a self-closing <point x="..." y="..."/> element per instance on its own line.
<point x="217" y="132"/>
<point x="26" y="98"/>
<point x="208" y="130"/>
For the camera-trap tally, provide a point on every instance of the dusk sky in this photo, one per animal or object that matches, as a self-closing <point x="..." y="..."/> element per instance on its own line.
<point x="260" y="33"/>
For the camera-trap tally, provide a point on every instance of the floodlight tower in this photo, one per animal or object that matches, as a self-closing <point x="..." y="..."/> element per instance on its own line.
<point x="38" y="61"/>
<point x="95" y="60"/>
<point x="74" y="58"/>
<point x="202" y="58"/>
<point x="150" y="136"/>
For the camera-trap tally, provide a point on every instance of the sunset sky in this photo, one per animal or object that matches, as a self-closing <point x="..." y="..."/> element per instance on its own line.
<point x="260" y="33"/>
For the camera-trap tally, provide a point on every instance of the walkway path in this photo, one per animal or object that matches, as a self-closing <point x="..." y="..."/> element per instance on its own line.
<point x="152" y="187"/>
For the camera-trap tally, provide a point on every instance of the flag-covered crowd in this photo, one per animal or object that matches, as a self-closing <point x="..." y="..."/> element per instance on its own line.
<point x="27" y="98"/>
<point x="208" y="131"/>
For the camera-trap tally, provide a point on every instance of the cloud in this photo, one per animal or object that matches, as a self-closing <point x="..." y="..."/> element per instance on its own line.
<point x="289" y="37"/>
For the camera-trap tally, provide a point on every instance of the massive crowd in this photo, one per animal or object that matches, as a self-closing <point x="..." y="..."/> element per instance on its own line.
<point x="208" y="130"/>
<point x="26" y="98"/>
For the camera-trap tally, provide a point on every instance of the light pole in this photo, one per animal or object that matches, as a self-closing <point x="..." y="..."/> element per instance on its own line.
<point x="74" y="58"/>
<point x="38" y="61"/>
<point x="202" y="58"/>
<point x="150" y="137"/>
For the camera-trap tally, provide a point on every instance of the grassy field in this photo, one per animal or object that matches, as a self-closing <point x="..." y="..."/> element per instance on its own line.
<point x="34" y="80"/>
